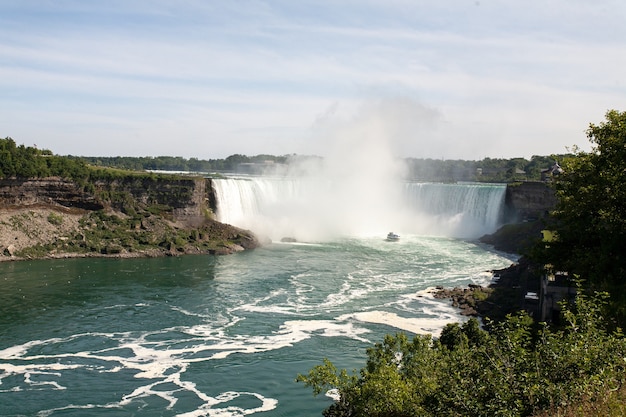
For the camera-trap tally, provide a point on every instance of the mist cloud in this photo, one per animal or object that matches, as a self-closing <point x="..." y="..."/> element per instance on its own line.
<point x="356" y="187"/>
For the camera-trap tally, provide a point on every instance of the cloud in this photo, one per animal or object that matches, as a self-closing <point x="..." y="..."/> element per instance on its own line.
<point x="502" y="79"/>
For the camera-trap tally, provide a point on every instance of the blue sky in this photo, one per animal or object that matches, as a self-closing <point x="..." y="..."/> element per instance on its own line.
<point x="430" y="79"/>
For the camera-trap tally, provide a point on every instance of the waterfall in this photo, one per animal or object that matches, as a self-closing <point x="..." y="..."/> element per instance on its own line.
<point x="310" y="209"/>
<point x="242" y="200"/>
<point x="459" y="210"/>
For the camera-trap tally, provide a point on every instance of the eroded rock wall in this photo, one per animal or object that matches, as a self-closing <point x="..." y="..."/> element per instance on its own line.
<point x="16" y="192"/>
<point x="529" y="200"/>
<point x="186" y="199"/>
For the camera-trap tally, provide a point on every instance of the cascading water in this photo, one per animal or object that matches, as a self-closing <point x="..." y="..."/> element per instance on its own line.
<point x="457" y="210"/>
<point x="309" y="209"/>
<point x="242" y="200"/>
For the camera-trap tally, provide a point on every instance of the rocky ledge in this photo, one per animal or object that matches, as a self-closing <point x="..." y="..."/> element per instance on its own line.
<point x="465" y="299"/>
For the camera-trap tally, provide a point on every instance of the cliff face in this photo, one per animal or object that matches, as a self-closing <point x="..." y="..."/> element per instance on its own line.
<point x="134" y="215"/>
<point x="528" y="200"/>
<point x="47" y="191"/>
<point x="526" y="204"/>
<point x="185" y="200"/>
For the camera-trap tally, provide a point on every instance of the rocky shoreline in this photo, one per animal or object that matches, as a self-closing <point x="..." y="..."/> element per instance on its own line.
<point x="465" y="299"/>
<point x="503" y="296"/>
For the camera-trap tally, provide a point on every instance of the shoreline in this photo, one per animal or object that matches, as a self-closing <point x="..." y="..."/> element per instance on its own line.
<point x="501" y="297"/>
<point x="148" y="253"/>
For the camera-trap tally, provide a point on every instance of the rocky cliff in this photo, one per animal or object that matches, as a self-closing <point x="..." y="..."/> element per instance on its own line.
<point x="528" y="200"/>
<point x="526" y="205"/>
<point x="181" y="199"/>
<point x="15" y="193"/>
<point x="127" y="215"/>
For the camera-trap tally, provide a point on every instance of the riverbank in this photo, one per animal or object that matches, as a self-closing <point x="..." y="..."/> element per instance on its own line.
<point x="506" y="293"/>
<point x="503" y="296"/>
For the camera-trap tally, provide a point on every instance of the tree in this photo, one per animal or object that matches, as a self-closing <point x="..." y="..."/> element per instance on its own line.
<point x="514" y="370"/>
<point x="590" y="217"/>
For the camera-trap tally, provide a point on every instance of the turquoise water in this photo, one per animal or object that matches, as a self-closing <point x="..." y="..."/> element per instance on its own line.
<point x="215" y="336"/>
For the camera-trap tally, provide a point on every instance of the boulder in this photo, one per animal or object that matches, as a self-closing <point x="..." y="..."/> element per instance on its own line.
<point x="10" y="250"/>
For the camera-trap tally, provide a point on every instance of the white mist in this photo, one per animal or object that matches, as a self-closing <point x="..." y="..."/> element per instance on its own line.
<point x="357" y="188"/>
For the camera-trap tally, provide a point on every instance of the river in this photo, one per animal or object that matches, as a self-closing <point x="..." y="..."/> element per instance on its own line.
<point x="217" y="336"/>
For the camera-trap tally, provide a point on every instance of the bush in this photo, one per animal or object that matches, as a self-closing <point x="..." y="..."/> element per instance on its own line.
<point x="516" y="369"/>
<point x="55" y="219"/>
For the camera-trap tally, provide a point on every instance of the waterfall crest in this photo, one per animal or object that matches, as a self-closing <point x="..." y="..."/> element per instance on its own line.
<point x="314" y="209"/>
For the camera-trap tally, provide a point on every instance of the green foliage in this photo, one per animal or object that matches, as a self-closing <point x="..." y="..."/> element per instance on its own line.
<point x="590" y="219"/>
<point x="55" y="219"/>
<point x="485" y="170"/>
<point x="177" y="163"/>
<point x="30" y="162"/>
<point x="516" y="369"/>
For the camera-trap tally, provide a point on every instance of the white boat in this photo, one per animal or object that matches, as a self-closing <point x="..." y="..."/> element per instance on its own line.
<point x="392" y="237"/>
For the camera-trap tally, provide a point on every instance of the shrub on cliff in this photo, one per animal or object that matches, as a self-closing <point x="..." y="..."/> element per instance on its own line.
<point x="514" y="370"/>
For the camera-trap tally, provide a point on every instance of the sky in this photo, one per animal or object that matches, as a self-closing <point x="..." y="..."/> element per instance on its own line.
<point x="207" y="79"/>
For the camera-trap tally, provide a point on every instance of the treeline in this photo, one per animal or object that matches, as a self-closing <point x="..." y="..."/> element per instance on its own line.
<point x="30" y="162"/>
<point x="232" y="163"/>
<point x="432" y="170"/>
<point x="19" y="161"/>
<point x="485" y="170"/>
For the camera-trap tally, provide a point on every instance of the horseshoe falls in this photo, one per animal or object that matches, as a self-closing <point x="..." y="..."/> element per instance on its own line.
<point x="226" y="336"/>
<point x="313" y="209"/>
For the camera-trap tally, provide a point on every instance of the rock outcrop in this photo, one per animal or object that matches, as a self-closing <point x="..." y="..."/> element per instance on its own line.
<point x="526" y="204"/>
<point x="15" y="192"/>
<point x="529" y="200"/>
<point x="126" y="216"/>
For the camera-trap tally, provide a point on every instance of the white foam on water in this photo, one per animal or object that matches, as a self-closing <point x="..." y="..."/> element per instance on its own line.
<point x="432" y="326"/>
<point x="428" y="314"/>
<point x="54" y="385"/>
<point x="154" y="362"/>
<point x="333" y="303"/>
<point x="46" y="413"/>
<point x="267" y="404"/>
<point x="190" y="313"/>
<point x="17" y="351"/>
<point x="208" y="409"/>
<point x="289" y="333"/>
<point x="161" y="364"/>
<point x="272" y="309"/>
<point x="483" y="278"/>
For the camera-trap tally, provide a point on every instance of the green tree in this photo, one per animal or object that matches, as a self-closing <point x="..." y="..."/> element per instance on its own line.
<point x="7" y="168"/>
<point x="590" y="218"/>
<point x="516" y="369"/>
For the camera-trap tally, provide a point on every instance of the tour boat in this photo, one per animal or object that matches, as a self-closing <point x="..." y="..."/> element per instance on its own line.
<point x="392" y="237"/>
